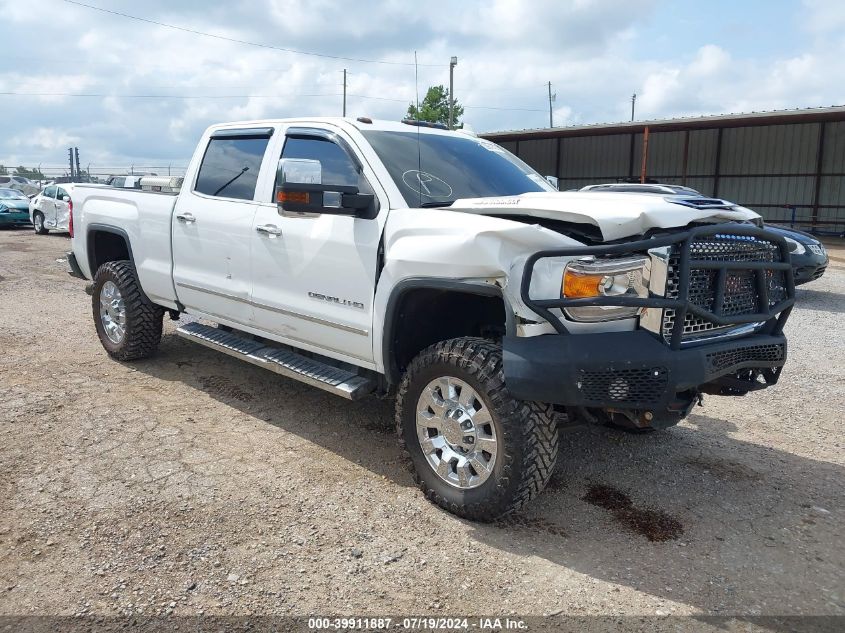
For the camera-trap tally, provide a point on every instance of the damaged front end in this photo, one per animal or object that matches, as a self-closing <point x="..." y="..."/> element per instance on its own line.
<point x="712" y="322"/>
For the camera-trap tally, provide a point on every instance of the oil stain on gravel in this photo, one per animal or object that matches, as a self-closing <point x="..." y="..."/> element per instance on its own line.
<point x="653" y="524"/>
<point x="222" y="387"/>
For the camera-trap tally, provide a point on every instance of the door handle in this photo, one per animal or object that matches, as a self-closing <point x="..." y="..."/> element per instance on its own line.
<point x="186" y="217"/>
<point x="269" y="229"/>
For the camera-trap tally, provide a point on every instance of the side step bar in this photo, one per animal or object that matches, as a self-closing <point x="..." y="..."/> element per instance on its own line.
<point x="340" y="382"/>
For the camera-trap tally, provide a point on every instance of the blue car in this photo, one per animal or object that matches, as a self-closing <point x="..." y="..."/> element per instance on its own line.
<point x="14" y="208"/>
<point x="808" y="255"/>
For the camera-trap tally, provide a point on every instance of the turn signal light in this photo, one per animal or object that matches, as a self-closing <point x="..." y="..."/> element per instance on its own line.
<point x="578" y="285"/>
<point x="299" y="197"/>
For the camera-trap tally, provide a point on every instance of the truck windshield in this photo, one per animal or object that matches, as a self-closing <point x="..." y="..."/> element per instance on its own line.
<point x="446" y="167"/>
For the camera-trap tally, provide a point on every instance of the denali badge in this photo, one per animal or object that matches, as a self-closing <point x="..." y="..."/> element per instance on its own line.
<point x="341" y="302"/>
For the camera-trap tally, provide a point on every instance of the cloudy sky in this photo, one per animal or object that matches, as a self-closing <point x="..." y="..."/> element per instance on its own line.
<point x="146" y="91"/>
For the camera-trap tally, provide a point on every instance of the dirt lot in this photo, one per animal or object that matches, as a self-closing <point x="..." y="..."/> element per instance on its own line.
<point x="192" y="483"/>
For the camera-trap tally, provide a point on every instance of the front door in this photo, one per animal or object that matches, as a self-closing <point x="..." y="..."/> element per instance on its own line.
<point x="313" y="275"/>
<point x="212" y="227"/>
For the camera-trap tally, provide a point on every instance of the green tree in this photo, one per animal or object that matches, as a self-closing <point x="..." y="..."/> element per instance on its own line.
<point x="435" y="108"/>
<point x="32" y="174"/>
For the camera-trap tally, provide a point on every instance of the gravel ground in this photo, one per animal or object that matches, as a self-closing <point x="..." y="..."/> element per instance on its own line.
<point x="192" y="484"/>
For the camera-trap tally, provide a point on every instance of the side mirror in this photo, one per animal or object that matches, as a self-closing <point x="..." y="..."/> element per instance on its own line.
<point x="337" y="199"/>
<point x="299" y="189"/>
<point x="65" y="198"/>
<point x="553" y="181"/>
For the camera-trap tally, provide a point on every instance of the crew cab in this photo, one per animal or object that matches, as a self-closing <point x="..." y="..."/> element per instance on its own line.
<point x="373" y="257"/>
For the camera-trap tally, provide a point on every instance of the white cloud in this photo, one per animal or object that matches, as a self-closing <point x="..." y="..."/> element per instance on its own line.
<point x="595" y="53"/>
<point x="43" y="138"/>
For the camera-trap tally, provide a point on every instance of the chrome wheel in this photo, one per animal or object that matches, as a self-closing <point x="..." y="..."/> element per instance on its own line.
<point x="456" y="432"/>
<point x="112" y="312"/>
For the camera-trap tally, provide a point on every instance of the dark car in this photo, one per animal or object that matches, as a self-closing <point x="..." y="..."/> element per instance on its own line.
<point x="808" y="255"/>
<point x="14" y="208"/>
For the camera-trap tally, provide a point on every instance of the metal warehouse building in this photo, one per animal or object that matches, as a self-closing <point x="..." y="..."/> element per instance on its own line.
<point x="788" y="165"/>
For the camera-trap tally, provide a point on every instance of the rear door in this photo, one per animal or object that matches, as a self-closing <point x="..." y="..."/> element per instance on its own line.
<point x="47" y="205"/>
<point x="62" y="208"/>
<point x="212" y="226"/>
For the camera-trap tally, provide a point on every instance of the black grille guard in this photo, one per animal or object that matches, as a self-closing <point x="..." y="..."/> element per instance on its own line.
<point x="774" y="316"/>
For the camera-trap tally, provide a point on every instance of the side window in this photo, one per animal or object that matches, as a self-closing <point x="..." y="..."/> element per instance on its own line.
<point x="50" y="191"/>
<point x="118" y="182"/>
<point x="60" y="192"/>
<point x="230" y="167"/>
<point x="336" y="165"/>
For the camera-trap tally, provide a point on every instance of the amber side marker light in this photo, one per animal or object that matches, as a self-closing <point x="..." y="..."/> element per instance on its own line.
<point x="579" y="286"/>
<point x="300" y="197"/>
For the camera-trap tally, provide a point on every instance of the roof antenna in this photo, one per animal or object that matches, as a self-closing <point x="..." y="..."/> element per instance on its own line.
<point x="419" y="153"/>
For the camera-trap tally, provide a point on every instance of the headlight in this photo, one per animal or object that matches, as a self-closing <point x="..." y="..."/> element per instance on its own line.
<point x="795" y="247"/>
<point x="584" y="278"/>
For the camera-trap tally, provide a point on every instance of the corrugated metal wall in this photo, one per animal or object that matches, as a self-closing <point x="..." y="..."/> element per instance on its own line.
<point x="784" y="171"/>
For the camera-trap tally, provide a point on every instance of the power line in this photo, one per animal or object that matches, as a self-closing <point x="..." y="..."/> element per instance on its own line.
<point x="104" y="95"/>
<point x="474" y="107"/>
<point x="285" y="96"/>
<point x="239" y="41"/>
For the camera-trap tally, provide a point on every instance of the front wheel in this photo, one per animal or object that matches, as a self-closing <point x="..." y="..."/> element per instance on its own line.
<point x="38" y="223"/>
<point x="475" y="449"/>
<point x="128" y="323"/>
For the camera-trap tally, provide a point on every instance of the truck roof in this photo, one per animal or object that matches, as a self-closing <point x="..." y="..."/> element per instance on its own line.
<point x="375" y="124"/>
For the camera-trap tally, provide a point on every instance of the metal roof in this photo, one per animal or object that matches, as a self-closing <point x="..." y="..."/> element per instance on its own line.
<point x="772" y="117"/>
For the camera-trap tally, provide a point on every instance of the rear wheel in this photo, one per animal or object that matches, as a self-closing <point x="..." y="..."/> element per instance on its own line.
<point x="38" y="223"/>
<point x="128" y="323"/>
<point x="475" y="450"/>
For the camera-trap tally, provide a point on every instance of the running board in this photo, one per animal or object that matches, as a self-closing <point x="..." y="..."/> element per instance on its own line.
<point x="340" y="382"/>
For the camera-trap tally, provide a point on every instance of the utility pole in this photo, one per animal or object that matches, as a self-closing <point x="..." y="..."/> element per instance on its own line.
<point x="552" y="97"/>
<point x="344" y="92"/>
<point x="78" y="171"/>
<point x="452" y="63"/>
<point x="70" y="157"/>
<point x="633" y="103"/>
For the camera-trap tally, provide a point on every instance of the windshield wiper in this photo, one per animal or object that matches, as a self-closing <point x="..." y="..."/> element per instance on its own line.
<point x="242" y="172"/>
<point x="431" y="205"/>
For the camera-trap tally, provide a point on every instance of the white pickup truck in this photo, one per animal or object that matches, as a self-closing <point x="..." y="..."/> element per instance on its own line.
<point x="367" y="257"/>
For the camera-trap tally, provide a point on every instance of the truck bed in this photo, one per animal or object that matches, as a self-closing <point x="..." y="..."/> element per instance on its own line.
<point x="122" y="209"/>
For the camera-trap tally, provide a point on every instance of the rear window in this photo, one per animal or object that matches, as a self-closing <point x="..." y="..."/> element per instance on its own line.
<point x="230" y="167"/>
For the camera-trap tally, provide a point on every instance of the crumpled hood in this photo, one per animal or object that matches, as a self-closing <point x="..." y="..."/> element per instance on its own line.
<point x="617" y="215"/>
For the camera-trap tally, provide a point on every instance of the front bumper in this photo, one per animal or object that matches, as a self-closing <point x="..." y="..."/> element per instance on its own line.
<point x="636" y="371"/>
<point x="808" y="267"/>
